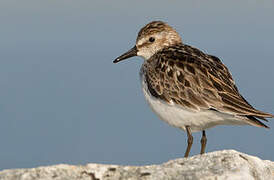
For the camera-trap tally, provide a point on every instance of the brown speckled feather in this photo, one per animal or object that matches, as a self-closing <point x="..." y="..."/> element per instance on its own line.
<point x="187" y="88"/>
<point x="186" y="76"/>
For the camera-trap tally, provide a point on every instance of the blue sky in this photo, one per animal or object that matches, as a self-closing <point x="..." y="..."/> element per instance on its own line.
<point x="64" y="101"/>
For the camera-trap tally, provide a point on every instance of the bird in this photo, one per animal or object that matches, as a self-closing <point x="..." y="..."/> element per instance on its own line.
<point x="186" y="87"/>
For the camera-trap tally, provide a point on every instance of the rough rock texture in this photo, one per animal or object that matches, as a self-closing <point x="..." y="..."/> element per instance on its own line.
<point x="227" y="164"/>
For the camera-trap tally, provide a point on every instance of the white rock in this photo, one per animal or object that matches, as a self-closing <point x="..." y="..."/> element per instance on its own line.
<point x="219" y="165"/>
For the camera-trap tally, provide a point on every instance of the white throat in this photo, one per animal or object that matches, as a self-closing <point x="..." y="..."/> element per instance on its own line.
<point x="144" y="55"/>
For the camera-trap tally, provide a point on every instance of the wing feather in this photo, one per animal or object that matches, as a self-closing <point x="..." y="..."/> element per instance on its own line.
<point x="184" y="75"/>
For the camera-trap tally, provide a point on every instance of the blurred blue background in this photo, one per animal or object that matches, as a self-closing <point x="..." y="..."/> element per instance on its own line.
<point x="62" y="100"/>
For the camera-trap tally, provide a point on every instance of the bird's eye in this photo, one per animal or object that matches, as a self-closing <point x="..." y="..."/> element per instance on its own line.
<point x="151" y="39"/>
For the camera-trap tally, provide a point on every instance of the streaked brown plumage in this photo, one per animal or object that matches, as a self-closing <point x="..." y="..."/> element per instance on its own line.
<point x="195" y="80"/>
<point x="187" y="88"/>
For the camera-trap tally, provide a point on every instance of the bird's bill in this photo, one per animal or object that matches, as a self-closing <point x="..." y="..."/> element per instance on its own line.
<point x="132" y="52"/>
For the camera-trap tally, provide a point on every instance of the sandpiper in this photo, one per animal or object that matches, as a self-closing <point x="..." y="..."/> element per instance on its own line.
<point x="187" y="88"/>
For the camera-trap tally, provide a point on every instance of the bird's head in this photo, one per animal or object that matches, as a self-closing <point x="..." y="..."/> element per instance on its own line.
<point x="152" y="38"/>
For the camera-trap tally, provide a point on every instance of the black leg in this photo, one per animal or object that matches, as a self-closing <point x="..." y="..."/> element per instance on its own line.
<point x="203" y="142"/>
<point x="189" y="141"/>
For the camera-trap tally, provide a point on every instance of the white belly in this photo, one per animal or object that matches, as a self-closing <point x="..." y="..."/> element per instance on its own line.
<point x="179" y="117"/>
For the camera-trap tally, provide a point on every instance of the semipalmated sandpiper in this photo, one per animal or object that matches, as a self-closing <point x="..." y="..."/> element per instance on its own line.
<point x="187" y="88"/>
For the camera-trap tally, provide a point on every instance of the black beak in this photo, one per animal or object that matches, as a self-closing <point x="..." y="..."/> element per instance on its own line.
<point x="130" y="53"/>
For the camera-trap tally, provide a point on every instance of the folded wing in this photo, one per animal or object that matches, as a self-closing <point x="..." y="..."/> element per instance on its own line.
<point x="186" y="76"/>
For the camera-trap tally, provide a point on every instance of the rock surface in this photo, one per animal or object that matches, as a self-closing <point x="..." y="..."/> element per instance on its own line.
<point x="219" y="165"/>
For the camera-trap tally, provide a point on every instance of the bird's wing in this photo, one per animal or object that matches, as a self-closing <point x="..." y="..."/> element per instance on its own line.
<point x="186" y="76"/>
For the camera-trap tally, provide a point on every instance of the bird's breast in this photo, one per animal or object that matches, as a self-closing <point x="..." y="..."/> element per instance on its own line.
<point x="179" y="117"/>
